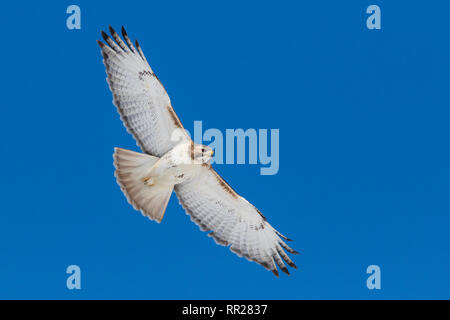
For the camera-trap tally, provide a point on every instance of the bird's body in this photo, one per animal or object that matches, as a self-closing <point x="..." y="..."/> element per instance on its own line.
<point x="172" y="162"/>
<point x="177" y="165"/>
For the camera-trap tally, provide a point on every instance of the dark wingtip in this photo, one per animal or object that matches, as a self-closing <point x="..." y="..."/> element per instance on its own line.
<point x="137" y="44"/>
<point x="286" y="238"/>
<point x="124" y="33"/>
<point x="291" y="264"/>
<point x="105" y="36"/>
<point x="283" y="236"/>
<point x="101" y="44"/>
<point x="285" y="270"/>
<point x="275" y="272"/>
<point x="111" y="30"/>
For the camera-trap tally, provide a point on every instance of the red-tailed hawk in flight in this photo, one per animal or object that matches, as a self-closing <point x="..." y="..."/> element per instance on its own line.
<point x="147" y="179"/>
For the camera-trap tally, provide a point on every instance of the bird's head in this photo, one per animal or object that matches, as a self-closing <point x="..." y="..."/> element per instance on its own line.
<point x="202" y="153"/>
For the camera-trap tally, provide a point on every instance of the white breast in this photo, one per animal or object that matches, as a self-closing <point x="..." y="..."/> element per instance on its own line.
<point x="175" y="167"/>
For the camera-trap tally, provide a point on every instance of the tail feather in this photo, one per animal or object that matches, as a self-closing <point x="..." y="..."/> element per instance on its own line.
<point x="132" y="169"/>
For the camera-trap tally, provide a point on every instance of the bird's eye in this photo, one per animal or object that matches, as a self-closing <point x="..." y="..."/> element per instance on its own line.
<point x="203" y="149"/>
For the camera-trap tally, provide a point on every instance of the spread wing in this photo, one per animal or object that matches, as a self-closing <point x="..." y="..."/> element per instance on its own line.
<point x="214" y="206"/>
<point x="139" y="96"/>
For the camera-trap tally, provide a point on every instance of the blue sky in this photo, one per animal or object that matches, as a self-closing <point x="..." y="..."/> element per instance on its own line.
<point x="364" y="148"/>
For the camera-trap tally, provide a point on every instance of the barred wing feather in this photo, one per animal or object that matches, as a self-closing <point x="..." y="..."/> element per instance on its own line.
<point x="139" y="96"/>
<point x="214" y="206"/>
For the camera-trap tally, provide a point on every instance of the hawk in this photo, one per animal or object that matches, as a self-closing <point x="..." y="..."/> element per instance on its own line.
<point x="173" y="162"/>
